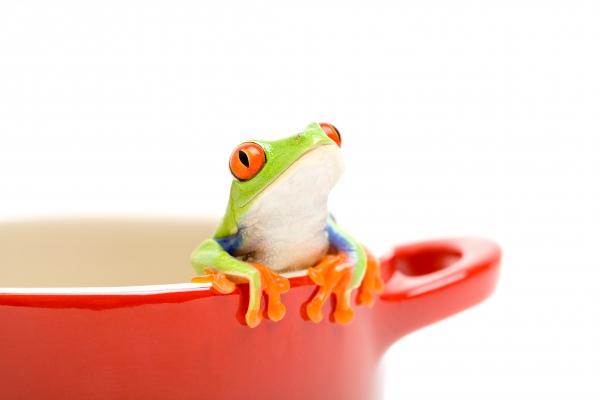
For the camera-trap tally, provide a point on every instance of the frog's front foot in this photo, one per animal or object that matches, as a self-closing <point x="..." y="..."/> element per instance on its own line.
<point x="332" y="275"/>
<point x="217" y="279"/>
<point x="260" y="279"/>
<point x="273" y="285"/>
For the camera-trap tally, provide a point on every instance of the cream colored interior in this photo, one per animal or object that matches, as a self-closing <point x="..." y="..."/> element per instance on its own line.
<point x="97" y="252"/>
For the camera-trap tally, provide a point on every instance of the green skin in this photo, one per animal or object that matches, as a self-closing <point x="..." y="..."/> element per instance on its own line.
<point x="280" y="155"/>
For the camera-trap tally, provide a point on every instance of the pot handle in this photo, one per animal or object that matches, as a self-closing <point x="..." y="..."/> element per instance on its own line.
<point x="428" y="281"/>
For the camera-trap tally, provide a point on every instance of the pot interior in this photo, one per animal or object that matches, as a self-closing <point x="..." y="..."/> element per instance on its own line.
<point x="97" y="252"/>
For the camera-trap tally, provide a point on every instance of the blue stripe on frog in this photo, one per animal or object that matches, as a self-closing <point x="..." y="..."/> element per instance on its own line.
<point x="230" y="243"/>
<point x="340" y="240"/>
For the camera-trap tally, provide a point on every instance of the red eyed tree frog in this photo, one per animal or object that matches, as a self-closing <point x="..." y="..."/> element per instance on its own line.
<point x="277" y="221"/>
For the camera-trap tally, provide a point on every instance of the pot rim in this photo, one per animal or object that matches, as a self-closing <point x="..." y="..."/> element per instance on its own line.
<point x="124" y="290"/>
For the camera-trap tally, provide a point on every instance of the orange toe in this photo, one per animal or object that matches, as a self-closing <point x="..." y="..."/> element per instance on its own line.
<point x="218" y="280"/>
<point x="314" y="310"/>
<point x="365" y="298"/>
<point x="343" y="315"/>
<point x="275" y="311"/>
<point x="319" y="273"/>
<point x="273" y="285"/>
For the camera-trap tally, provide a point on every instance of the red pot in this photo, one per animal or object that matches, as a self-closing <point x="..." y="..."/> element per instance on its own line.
<point x="183" y="342"/>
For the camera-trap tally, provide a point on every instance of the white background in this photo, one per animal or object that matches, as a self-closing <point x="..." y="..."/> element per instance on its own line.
<point x="459" y="118"/>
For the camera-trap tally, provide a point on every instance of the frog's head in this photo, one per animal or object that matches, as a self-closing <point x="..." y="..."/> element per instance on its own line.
<point x="301" y="166"/>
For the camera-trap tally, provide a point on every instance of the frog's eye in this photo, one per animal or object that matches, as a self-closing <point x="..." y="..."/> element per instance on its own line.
<point x="247" y="160"/>
<point x="332" y="132"/>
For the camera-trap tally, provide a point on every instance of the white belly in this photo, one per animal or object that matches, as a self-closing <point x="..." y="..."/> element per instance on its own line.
<point x="286" y="243"/>
<point x="286" y="227"/>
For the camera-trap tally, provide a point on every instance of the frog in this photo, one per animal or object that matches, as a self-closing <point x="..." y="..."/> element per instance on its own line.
<point x="277" y="221"/>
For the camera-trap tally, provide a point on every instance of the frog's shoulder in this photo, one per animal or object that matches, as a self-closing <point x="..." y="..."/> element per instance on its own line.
<point x="228" y="234"/>
<point x="228" y="225"/>
<point x="230" y="243"/>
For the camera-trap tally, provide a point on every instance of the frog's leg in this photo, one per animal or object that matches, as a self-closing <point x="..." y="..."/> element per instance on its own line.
<point x="371" y="283"/>
<point x="221" y="269"/>
<point x="338" y="274"/>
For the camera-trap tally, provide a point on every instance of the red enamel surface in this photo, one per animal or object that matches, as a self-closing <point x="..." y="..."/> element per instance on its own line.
<point x="187" y="345"/>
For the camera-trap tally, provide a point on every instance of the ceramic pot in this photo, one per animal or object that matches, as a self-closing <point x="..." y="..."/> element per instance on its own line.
<point x="95" y="309"/>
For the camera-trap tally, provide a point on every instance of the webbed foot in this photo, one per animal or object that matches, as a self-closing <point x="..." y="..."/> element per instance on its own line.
<point x="273" y="285"/>
<point x="218" y="280"/>
<point x="260" y="279"/>
<point x="332" y="275"/>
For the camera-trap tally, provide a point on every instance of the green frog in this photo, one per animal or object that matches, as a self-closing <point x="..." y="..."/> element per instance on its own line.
<point x="277" y="221"/>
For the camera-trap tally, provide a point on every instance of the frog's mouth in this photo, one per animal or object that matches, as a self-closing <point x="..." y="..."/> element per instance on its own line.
<point x="307" y="180"/>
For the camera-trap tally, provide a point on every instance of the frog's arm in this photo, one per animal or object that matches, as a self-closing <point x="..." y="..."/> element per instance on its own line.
<point x="346" y="244"/>
<point x="210" y="255"/>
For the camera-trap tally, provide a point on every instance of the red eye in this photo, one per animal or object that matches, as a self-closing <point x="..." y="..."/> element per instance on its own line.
<point x="332" y="132"/>
<point x="247" y="160"/>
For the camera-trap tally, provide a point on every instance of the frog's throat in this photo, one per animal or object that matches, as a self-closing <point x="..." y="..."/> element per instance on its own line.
<point x="282" y="174"/>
